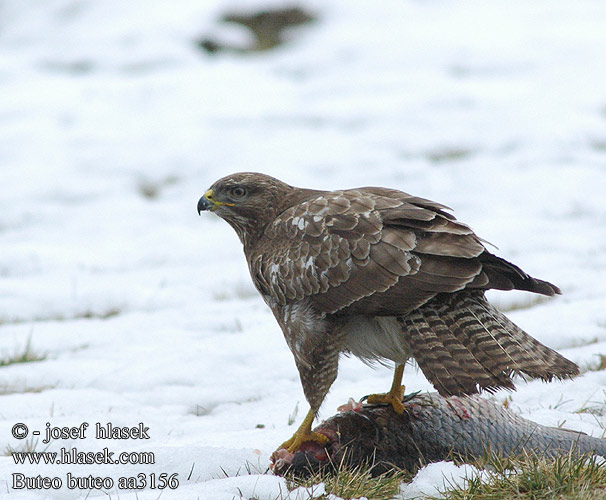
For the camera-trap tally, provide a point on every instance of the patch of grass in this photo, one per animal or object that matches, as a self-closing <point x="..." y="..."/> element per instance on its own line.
<point x="25" y="355"/>
<point x="110" y="313"/>
<point x="27" y="446"/>
<point x="532" y="477"/>
<point x="22" y="389"/>
<point x="354" y="482"/>
<point x="267" y="27"/>
<point x="527" y="477"/>
<point x="598" y="410"/>
<point x="151" y="188"/>
<point x="593" y="407"/>
<point x="579" y="342"/>
<point x="449" y="154"/>
<point x="87" y="314"/>
<point x="598" y="364"/>
<point x="598" y="145"/>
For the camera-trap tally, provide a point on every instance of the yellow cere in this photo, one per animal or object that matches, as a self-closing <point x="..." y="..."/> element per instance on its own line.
<point x="209" y="196"/>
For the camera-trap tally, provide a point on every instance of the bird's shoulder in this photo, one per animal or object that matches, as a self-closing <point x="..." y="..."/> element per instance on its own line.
<point x="342" y="246"/>
<point x="351" y="213"/>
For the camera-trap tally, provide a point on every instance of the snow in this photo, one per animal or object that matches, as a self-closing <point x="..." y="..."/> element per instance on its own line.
<point x="113" y="124"/>
<point x="436" y="478"/>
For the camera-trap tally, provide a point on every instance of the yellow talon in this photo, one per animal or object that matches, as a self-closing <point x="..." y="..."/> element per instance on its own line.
<point x="304" y="434"/>
<point x="395" y="394"/>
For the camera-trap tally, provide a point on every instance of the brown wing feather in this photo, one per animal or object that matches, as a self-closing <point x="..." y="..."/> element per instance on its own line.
<point x="376" y="251"/>
<point x="353" y="257"/>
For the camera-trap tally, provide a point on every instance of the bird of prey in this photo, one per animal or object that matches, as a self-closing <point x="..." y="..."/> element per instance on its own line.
<point x="385" y="276"/>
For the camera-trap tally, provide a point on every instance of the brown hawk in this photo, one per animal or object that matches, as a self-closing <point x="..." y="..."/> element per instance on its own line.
<point x="385" y="276"/>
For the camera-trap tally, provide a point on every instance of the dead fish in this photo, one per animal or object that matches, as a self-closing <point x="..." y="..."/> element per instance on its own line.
<point x="431" y="429"/>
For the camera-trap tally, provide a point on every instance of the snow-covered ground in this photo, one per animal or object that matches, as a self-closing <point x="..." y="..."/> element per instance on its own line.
<point x="112" y="125"/>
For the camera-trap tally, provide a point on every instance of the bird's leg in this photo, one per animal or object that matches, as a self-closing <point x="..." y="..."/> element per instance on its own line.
<point x="316" y="379"/>
<point x="395" y="394"/>
<point x="304" y="434"/>
<point x="316" y="345"/>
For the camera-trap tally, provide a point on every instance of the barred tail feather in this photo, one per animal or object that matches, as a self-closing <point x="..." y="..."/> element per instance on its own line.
<point x="464" y="345"/>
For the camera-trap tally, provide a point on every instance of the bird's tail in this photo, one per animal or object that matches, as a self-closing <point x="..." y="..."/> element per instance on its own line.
<point x="464" y="345"/>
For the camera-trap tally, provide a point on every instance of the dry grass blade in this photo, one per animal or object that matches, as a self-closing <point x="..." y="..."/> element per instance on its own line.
<point x="532" y="477"/>
<point x="27" y="355"/>
<point x="355" y="482"/>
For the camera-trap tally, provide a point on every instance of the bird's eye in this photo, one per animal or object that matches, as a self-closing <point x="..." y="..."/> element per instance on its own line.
<point x="238" y="192"/>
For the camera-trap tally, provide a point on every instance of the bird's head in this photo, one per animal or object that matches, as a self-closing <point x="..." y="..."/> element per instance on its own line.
<point x="247" y="201"/>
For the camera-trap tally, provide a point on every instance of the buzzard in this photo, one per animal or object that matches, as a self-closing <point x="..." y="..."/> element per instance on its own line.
<point x="385" y="276"/>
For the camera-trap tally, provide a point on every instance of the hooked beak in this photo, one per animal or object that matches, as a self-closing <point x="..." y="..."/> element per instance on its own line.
<point x="204" y="203"/>
<point x="208" y="202"/>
